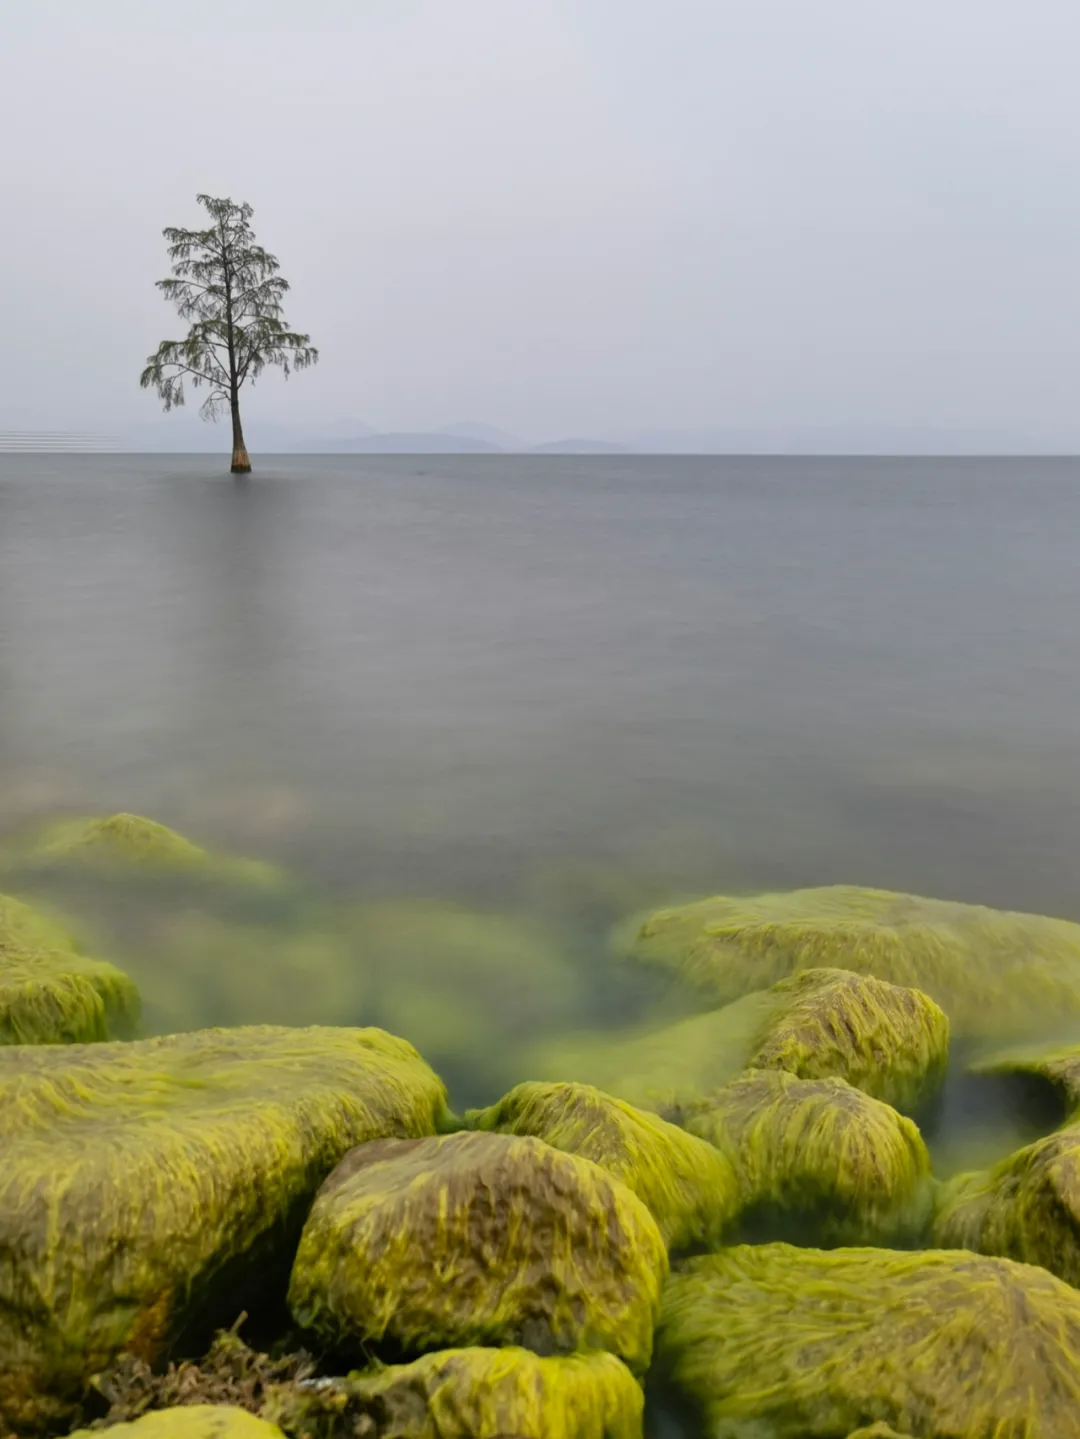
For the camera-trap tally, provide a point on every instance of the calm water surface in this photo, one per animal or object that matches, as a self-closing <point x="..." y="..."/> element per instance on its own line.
<point x="558" y="688"/>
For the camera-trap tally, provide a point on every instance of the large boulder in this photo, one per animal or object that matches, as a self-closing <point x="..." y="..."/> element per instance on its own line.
<point x="819" y="1160"/>
<point x="191" y="1421"/>
<point x="478" y="1239"/>
<point x="994" y="973"/>
<point x="148" y="1187"/>
<point x="50" y="993"/>
<point x="787" y="1343"/>
<point x="1027" y="1207"/>
<point x="888" y="1041"/>
<point x="469" y="1394"/>
<point x="688" y="1186"/>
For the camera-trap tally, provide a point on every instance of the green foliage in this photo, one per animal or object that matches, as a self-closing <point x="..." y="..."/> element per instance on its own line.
<point x="52" y="994"/>
<point x="818" y="1159"/>
<point x="470" y="1394"/>
<point x="995" y="974"/>
<point x="1026" y="1208"/>
<point x="689" y="1187"/>
<point x="228" y="289"/>
<point x="144" y="1184"/>
<point x="788" y="1343"/>
<point x="478" y="1239"/>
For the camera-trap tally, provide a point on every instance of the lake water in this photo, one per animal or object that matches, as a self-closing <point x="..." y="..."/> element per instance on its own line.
<point x="552" y="689"/>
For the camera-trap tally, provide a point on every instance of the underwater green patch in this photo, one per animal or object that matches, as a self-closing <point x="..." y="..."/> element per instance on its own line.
<point x="995" y="974"/>
<point x="191" y="1421"/>
<point x="52" y="994"/>
<point x="688" y="1186"/>
<point x="786" y="1343"/>
<point x="145" y="1186"/>
<point x="817" y="1159"/>
<point x="478" y="1239"/>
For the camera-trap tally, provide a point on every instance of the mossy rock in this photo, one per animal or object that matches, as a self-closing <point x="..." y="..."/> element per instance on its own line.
<point x="688" y="1186"/>
<point x="787" y="1343"/>
<point x="52" y="994"/>
<point x="191" y="1421"/>
<point x="1053" y="1069"/>
<point x="1025" y="1208"/>
<point x="478" y="1239"/>
<point x="995" y="974"/>
<point x="470" y="1394"/>
<point x="146" y="1187"/>
<point x="817" y="1159"/>
<point x="123" y="845"/>
<point x="465" y="986"/>
<point x="888" y="1041"/>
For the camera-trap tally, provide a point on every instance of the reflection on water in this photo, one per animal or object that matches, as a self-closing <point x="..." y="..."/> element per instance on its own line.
<point x="537" y="695"/>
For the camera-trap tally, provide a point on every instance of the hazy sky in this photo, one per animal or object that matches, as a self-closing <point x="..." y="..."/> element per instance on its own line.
<point x="561" y="216"/>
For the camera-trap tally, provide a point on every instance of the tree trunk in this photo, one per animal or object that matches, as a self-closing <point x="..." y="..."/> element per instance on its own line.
<point x="241" y="463"/>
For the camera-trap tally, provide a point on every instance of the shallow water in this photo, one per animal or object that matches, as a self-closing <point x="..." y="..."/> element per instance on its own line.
<point x="552" y="691"/>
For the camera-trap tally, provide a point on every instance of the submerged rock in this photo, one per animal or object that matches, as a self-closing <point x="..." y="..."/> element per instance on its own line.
<point x="788" y="1343"/>
<point x="1026" y="1208"/>
<point x="818" y="1159"/>
<point x="52" y="994"/>
<point x="148" y="1186"/>
<point x="888" y="1041"/>
<point x="1055" y="1068"/>
<point x="470" y="1394"/>
<point x="191" y="1421"/>
<point x="994" y="973"/>
<point x="688" y="1186"/>
<point x="478" y="1239"/>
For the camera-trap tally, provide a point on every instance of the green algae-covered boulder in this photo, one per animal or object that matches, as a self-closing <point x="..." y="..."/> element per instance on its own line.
<point x="688" y="1186"/>
<point x="1053" y="1069"/>
<point x="465" y="986"/>
<point x="470" y="1394"/>
<point x="191" y="1421"/>
<point x="1026" y="1208"/>
<point x="121" y="844"/>
<point x="478" y="1239"/>
<point x="786" y="1343"/>
<point x="993" y="973"/>
<point x="52" y="994"/>
<point x="889" y="1041"/>
<point x="144" y="1186"/>
<point x="816" y="1158"/>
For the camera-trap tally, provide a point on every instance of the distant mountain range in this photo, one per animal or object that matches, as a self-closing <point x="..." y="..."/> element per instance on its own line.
<point x="186" y="434"/>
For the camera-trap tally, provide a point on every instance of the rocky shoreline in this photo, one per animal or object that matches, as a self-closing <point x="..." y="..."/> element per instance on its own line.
<point x="735" y="1209"/>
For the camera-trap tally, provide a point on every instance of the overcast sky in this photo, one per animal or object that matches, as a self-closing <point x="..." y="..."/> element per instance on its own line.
<point x="561" y="216"/>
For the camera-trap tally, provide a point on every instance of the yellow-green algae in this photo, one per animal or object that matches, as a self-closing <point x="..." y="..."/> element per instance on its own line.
<point x="145" y="1184"/>
<point x="821" y="1158"/>
<point x="688" y="1186"/>
<point x="121" y="843"/>
<point x="888" y="1041"/>
<point x="191" y="1421"/>
<point x="478" y="1239"/>
<point x="52" y="994"/>
<point x="994" y="973"/>
<point x="1026" y="1208"/>
<point x="470" y="1394"/>
<point x="786" y="1343"/>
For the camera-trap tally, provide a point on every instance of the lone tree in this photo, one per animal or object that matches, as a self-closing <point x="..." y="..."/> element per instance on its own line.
<point x="229" y="288"/>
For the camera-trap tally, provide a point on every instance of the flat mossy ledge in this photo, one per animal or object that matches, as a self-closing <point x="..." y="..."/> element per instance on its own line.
<point x="469" y="1394"/>
<point x="148" y="1187"/>
<point x="819" y="1160"/>
<point x="804" y="1344"/>
<point x="690" y="1187"/>
<point x="478" y="1239"/>
<point x="995" y="973"/>
<point x="889" y="1041"/>
<point x="51" y="993"/>
<point x="191" y="1421"/>
<point x="1026" y="1208"/>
